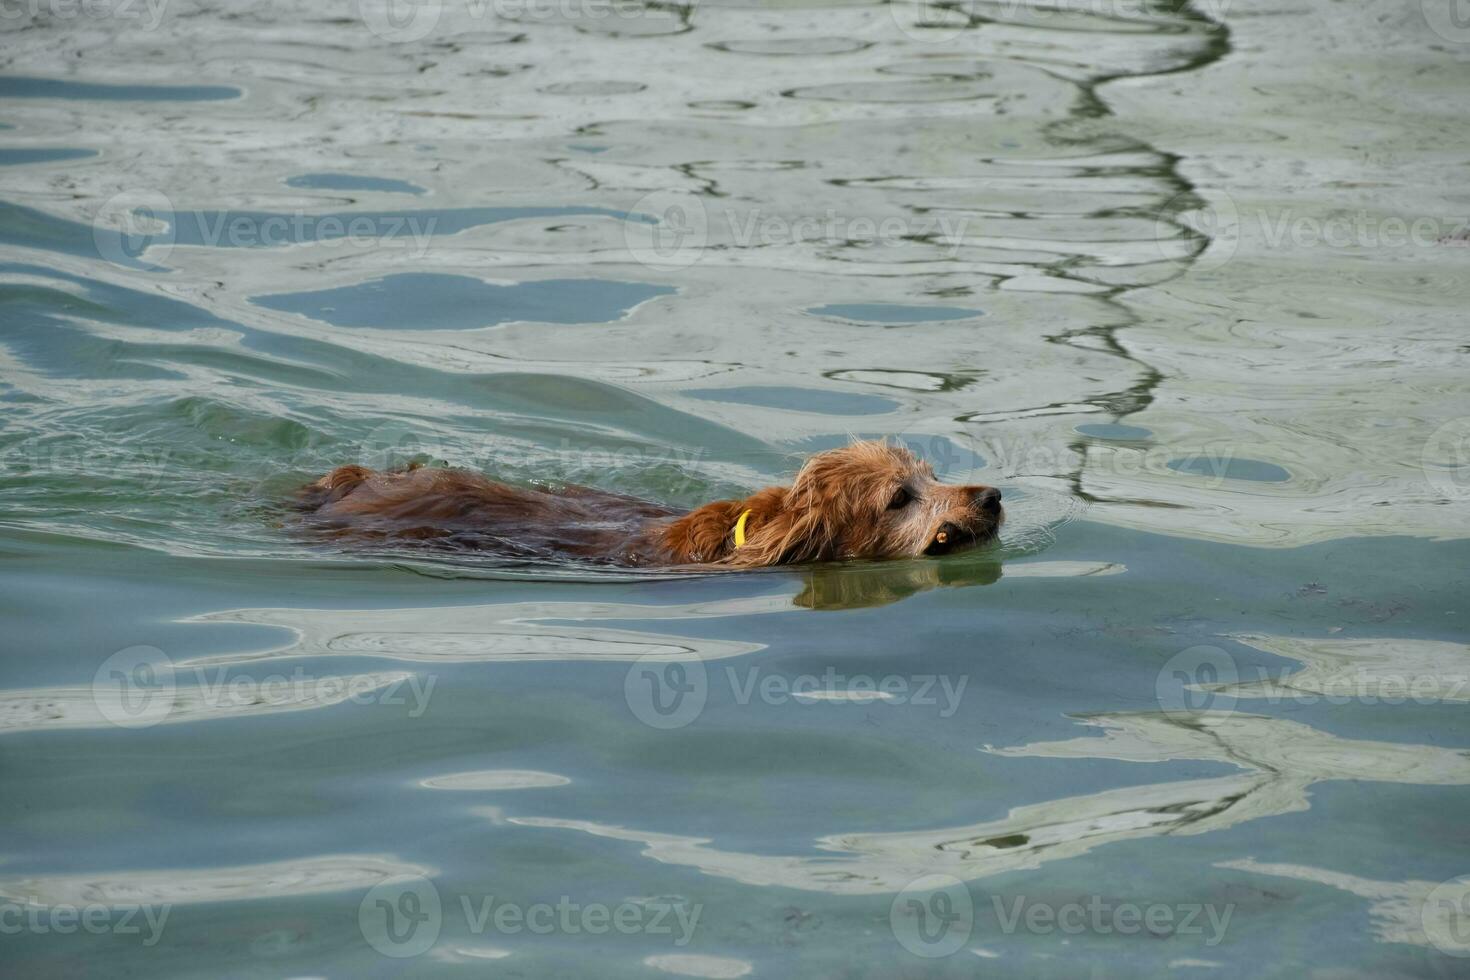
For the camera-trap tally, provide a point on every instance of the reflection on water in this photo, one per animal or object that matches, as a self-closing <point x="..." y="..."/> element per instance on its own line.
<point x="185" y="886"/>
<point x="507" y="632"/>
<point x="36" y="709"/>
<point x="353" y="182"/>
<point x="495" y="779"/>
<point x="21" y="87"/>
<point x="1392" y="671"/>
<point x="1281" y="749"/>
<point x="10" y="157"/>
<point x="893" y="313"/>
<point x="860" y="192"/>
<point x="878" y="585"/>
<point x="460" y="303"/>
<point x="561" y="631"/>
<point x="697" y="965"/>
<point x="1419" y="913"/>
<point x="1282" y="760"/>
<point x="1093" y="254"/>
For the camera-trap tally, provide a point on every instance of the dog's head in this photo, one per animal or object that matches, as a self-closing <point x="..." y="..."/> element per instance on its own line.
<point x="865" y="500"/>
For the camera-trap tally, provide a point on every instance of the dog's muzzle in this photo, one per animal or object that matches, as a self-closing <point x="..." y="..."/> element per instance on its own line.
<point x="949" y="537"/>
<point x="953" y="537"/>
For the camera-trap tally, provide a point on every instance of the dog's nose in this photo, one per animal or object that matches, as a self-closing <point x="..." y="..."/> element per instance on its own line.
<point x="988" y="499"/>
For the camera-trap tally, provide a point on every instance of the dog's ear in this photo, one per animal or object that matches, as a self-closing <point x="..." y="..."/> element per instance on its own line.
<point x="332" y="487"/>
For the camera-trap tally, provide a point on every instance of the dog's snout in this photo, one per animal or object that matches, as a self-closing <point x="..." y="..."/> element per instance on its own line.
<point x="988" y="499"/>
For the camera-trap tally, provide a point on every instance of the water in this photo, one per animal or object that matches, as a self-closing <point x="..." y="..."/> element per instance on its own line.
<point x="1187" y="282"/>
<point x="354" y="182"/>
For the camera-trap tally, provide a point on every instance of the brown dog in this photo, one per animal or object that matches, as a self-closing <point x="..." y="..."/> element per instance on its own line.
<point x="866" y="500"/>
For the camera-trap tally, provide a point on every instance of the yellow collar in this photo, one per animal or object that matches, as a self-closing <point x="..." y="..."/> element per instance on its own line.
<point x="740" y="528"/>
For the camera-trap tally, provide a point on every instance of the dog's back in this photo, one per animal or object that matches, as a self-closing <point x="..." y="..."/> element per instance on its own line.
<point x="459" y="509"/>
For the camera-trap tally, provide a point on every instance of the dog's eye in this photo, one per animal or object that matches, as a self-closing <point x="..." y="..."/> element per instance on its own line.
<point x="901" y="498"/>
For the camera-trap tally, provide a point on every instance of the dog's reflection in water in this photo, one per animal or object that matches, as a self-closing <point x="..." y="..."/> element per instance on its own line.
<point x="879" y="584"/>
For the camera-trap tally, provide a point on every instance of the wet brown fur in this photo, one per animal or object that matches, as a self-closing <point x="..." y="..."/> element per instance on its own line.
<point x="838" y="507"/>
